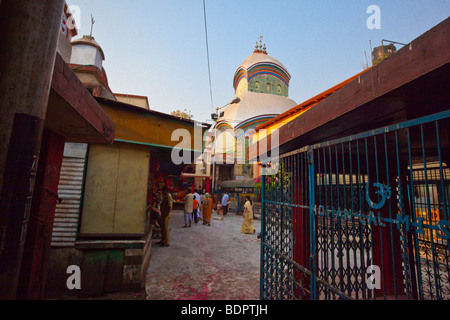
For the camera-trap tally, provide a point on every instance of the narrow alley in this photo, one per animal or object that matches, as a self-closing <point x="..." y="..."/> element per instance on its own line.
<point x="206" y="263"/>
<point x="301" y="113"/>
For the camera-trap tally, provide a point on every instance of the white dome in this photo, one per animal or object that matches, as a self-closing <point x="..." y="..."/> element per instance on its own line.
<point x="256" y="105"/>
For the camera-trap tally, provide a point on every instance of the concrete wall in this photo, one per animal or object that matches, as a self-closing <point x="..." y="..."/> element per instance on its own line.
<point x="105" y="267"/>
<point x="64" y="47"/>
<point x="29" y="33"/>
<point x="60" y="259"/>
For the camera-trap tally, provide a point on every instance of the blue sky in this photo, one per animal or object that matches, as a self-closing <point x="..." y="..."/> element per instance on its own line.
<point x="157" y="48"/>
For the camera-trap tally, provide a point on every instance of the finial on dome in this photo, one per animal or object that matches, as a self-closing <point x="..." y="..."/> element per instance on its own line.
<point x="92" y="26"/>
<point x="259" y="48"/>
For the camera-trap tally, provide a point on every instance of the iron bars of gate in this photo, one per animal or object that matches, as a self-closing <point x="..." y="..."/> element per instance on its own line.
<point x="360" y="217"/>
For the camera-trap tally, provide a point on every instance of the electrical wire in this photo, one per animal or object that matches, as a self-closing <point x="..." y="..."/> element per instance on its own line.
<point x="207" y="54"/>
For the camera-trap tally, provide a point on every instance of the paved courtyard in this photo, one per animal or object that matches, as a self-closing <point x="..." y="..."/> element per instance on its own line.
<point x="206" y="263"/>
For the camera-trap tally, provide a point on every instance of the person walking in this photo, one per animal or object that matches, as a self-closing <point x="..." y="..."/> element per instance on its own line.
<point x="195" y="209"/>
<point x="247" y="222"/>
<point x="207" y="209"/>
<point x="202" y="198"/>
<point x="188" y="208"/>
<point x="225" y="204"/>
<point x="198" y="197"/>
<point x="165" y="209"/>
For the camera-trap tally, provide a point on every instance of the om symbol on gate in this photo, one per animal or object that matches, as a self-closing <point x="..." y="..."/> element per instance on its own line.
<point x="383" y="190"/>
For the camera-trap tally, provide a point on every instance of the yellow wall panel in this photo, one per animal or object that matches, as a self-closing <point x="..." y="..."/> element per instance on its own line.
<point x="100" y="189"/>
<point x="132" y="181"/>
<point x="115" y="195"/>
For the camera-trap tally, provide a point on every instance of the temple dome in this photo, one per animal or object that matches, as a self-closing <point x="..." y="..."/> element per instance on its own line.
<point x="260" y="57"/>
<point x="261" y="83"/>
<point x="261" y="73"/>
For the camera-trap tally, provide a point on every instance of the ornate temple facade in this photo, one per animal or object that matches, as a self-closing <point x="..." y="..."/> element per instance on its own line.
<point x="261" y="85"/>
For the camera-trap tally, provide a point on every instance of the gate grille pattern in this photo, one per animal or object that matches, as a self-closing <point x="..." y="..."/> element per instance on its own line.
<point x="379" y="199"/>
<point x="284" y="205"/>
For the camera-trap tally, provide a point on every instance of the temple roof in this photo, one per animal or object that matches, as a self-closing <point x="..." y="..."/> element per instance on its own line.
<point x="260" y="57"/>
<point x="89" y="41"/>
<point x="259" y="62"/>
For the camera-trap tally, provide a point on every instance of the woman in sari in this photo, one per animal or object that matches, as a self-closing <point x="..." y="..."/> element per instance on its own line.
<point x="247" y="223"/>
<point x="207" y="209"/>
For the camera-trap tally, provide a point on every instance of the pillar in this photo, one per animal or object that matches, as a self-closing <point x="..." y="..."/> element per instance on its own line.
<point x="40" y="226"/>
<point x="28" y="39"/>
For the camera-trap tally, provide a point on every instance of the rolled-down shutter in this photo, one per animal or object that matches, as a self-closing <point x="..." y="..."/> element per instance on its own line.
<point x="70" y="188"/>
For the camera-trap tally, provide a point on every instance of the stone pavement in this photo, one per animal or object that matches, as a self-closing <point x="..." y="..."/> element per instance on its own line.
<point x="206" y="263"/>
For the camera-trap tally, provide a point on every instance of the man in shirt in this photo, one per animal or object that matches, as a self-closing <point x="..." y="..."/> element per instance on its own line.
<point x="225" y="203"/>
<point x="188" y="208"/>
<point x="166" y="208"/>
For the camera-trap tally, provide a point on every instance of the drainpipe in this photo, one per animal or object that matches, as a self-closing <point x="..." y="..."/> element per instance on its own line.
<point x="29" y="33"/>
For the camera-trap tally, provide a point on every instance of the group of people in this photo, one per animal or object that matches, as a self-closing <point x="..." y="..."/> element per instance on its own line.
<point x="196" y="207"/>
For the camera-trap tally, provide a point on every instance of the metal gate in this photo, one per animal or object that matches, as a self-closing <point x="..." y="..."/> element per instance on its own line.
<point x="362" y="217"/>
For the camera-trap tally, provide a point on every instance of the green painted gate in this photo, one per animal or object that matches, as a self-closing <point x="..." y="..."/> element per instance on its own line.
<point x="361" y="217"/>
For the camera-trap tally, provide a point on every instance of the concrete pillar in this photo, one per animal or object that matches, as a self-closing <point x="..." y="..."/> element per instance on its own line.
<point x="28" y="39"/>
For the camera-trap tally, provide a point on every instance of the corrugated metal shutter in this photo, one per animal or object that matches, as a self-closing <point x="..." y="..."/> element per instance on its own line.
<point x="70" y="188"/>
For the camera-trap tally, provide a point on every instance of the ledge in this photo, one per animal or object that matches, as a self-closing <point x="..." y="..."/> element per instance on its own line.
<point x="73" y="112"/>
